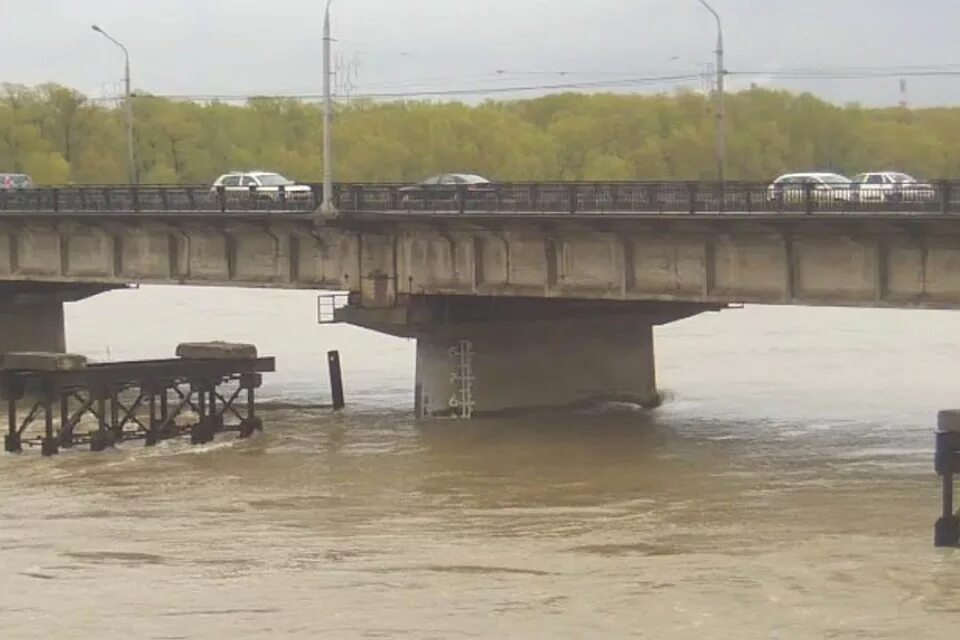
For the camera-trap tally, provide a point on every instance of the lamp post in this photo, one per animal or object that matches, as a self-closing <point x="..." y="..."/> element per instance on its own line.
<point x="721" y="106"/>
<point x="128" y="105"/>
<point x="327" y="207"/>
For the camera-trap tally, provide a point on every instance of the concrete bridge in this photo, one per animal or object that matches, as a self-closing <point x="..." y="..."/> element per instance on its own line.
<point x="513" y="307"/>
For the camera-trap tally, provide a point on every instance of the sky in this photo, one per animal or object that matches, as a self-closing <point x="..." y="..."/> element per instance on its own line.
<point x="242" y="47"/>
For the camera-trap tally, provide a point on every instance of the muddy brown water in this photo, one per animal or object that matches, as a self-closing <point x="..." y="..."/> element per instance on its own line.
<point x="785" y="490"/>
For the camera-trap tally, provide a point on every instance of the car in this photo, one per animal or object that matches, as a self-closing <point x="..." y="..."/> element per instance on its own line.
<point x="446" y="186"/>
<point x="9" y="181"/>
<point x="824" y="187"/>
<point x="265" y="184"/>
<point x="450" y="181"/>
<point x="891" y="186"/>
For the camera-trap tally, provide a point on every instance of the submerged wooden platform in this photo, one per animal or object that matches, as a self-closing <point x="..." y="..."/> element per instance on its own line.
<point x="57" y="401"/>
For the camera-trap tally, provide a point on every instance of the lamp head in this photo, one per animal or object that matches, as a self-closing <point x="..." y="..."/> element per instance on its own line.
<point x="97" y="29"/>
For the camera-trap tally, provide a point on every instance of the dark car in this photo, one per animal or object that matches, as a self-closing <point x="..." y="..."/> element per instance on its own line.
<point x="446" y="188"/>
<point x="10" y="181"/>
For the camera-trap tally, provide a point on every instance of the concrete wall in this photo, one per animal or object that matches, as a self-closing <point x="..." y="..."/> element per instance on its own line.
<point x="852" y="260"/>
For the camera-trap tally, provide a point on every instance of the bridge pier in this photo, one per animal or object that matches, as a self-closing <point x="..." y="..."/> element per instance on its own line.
<point x="31" y="314"/>
<point x="480" y="356"/>
<point x="508" y="366"/>
<point x="36" y="326"/>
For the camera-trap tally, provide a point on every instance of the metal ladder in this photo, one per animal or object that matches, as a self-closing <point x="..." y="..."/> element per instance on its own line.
<point x="462" y="401"/>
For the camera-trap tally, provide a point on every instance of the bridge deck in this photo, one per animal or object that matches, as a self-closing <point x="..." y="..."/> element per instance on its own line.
<point x="619" y="242"/>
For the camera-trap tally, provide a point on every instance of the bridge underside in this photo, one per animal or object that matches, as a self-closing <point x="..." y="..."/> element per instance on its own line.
<point x="486" y="356"/>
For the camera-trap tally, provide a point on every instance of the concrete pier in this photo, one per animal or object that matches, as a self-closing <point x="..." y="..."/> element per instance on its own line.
<point x="35" y="326"/>
<point x="526" y="365"/>
<point x="31" y="314"/>
<point x="507" y="355"/>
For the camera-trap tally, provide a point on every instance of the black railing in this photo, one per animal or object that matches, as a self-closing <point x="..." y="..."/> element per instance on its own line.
<point x="586" y="198"/>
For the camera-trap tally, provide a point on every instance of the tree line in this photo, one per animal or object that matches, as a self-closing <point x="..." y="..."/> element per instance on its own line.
<point x="59" y="136"/>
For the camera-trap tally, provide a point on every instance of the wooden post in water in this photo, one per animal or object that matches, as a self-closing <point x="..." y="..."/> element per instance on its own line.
<point x="50" y="445"/>
<point x="12" y="442"/>
<point x="947" y="533"/>
<point x="336" y="380"/>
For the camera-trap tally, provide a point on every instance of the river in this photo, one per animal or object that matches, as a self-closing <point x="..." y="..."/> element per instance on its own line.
<point x="785" y="490"/>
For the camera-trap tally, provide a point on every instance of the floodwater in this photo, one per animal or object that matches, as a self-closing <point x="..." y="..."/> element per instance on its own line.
<point x="785" y="490"/>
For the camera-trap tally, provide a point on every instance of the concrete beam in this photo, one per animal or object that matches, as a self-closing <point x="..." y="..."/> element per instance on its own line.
<point x="820" y="260"/>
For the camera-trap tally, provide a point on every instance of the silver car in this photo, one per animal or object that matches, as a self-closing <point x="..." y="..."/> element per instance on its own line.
<point x="824" y="188"/>
<point x="10" y="181"/>
<point x="891" y="186"/>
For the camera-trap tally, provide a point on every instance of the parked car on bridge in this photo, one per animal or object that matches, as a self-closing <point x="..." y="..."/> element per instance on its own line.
<point x="891" y="186"/>
<point x="446" y="187"/>
<point x="265" y="184"/>
<point x="824" y="187"/>
<point x="10" y="181"/>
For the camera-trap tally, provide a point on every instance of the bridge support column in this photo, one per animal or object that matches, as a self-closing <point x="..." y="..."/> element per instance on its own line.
<point x="34" y="326"/>
<point x="535" y="364"/>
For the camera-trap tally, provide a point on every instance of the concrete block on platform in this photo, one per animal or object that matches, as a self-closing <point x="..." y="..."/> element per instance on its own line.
<point x="949" y="421"/>
<point x="216" y="351"/>
<point x="43" y="361"/>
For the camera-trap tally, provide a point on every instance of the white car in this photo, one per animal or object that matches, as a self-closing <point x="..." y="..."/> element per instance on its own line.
<point x="791" y="188"/>
<point x="891" y="186"/>
<point x="266" y="185"/>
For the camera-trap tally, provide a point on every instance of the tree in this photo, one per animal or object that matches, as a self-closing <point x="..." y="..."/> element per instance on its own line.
<point x="58" y="135"/>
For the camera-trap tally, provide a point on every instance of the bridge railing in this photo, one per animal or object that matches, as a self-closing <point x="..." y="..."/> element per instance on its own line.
<point x="587" y="198"/>
<point x="611" y="198"/>
<point x="155" y="199"/>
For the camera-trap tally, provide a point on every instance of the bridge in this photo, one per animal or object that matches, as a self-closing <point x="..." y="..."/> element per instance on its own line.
<point x="519" y="295"/>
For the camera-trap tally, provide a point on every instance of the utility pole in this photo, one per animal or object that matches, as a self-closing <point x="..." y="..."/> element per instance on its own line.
<point x="127" y="107"/>
<point x="327" y="207"/>
<point x="720" y="98"/>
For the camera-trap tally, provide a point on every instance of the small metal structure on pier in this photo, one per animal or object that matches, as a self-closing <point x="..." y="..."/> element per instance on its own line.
<point x="209" y="389"/>
<point x="947" y="532"/>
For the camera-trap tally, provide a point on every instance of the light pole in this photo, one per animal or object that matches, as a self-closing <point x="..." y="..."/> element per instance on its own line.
<point x="128" y="106"/>
<point x="327" y="207"/>
<point x="721" y="99"/>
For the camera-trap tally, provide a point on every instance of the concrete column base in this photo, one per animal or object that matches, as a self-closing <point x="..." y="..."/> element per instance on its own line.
<point x="539" y="364"/>
<point x="32" y="327"/>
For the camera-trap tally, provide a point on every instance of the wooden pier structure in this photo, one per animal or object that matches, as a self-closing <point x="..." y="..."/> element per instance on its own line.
<point x="58" y="401"/>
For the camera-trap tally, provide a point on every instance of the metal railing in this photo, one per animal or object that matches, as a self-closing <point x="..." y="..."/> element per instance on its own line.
<point x="589" y="198"/>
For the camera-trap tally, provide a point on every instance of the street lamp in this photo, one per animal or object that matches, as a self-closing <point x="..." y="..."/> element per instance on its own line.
<point x="721" y="107"/>
<point x="128" y="105"/>
<point x="327" y="207"/>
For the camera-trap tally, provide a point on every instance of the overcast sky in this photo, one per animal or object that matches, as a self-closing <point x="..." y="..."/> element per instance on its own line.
<point x="259" y="46"/>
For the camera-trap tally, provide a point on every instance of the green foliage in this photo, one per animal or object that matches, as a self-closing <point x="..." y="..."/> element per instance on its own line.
<point x="59" y="136"/>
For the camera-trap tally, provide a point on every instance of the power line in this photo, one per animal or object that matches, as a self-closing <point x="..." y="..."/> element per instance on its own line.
<point x="537" y="87"/>
<point x="621" y="80"/>
<point x="853" y="73"/>
<point x="426" y="93"/>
